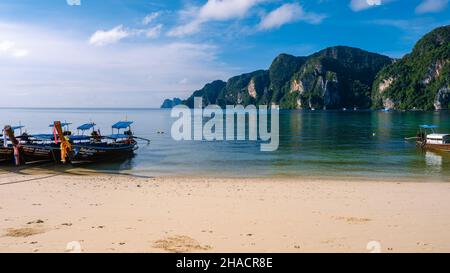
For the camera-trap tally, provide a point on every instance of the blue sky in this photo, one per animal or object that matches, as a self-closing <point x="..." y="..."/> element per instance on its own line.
<point x="135" y="53"/>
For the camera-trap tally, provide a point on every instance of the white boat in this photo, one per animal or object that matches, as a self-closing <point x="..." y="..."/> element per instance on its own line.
<point x="433" y="140"/>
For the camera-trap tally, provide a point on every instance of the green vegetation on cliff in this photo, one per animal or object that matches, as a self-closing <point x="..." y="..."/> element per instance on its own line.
<point x="336" y="77"/>
<point x="344" y="77"/>
<point x="170" y="103"/>
<point x="209" y="93"/>
<point x="421" y="79"/>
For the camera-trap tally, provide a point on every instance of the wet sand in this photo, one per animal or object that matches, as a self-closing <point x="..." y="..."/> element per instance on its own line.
<point x="76" y="211"/>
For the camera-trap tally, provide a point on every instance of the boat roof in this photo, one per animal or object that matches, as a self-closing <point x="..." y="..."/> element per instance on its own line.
<point x="44" y="136"/>
<point x="122" y="124"/>
<point x="117" y="136"/>
<point x="63" y="124"/>
<point x="17" y="127"/>
<point x="429" y="126"/>
<point x="78" y="137"/>
<point x="86" y="126"/>
<point x="438" y="136"/>
<point x="52" y="137"/>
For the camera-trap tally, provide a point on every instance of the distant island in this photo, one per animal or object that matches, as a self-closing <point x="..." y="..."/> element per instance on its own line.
<point x="170" y="103"/>
<point x="343" y="77"/>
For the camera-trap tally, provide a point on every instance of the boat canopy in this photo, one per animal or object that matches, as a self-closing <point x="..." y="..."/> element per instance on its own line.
<point x="86" y="126"/>
<point x="117" y="136"/>
<point x="122" y="124"/>
<point x="78" y="137"/>
<point x="44" y="136"/>
<point x="17" y="127"/>
<point x="438" y="136"/>
<point x="13" y="128"/>
<point x="52" y="137"/>
<point x="64" y="124"/>
<point x="438" y="139"/>
<point x="429" y="126"/>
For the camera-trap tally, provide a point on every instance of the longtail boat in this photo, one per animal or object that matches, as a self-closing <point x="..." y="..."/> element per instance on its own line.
<point x="63" y="146"/>
<point x="6" y="145"/>
<point x="41" y="148"/>
<point x="30" y="149"/>
<point x="428" y="138"/>
<point x="96" y="148"/>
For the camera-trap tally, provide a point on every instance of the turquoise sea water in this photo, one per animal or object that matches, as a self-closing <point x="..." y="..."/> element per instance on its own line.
<point x="319" y="143"/>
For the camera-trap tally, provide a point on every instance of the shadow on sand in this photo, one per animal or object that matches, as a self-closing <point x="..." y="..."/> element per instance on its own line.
<point x="47" y="170"/>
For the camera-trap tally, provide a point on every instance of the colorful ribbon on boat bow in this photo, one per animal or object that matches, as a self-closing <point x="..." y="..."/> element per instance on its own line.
<point x="66" y="148"/>
<point x="16" y="148"/>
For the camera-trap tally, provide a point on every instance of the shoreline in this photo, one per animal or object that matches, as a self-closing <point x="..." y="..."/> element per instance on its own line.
<point x="77" y="171"/>
<point x="112" y="213"/>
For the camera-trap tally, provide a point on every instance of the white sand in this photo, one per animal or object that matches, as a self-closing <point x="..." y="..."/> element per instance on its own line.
<point x="112" y="213"/>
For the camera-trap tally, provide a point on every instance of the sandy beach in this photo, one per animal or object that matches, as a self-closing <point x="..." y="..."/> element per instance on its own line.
<point x="62" y="211"/>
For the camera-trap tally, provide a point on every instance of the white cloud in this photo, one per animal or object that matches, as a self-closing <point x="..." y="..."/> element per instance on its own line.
<point x="9" y="48"/>
<point x="102" y="37"/>
<point x="288" y="13"/>
<point x="413" y="29"/>
<point x="150" y="18"/>
<point x="226" y="9"/>
<point x="184" y="30"/>
<point x="358" y="5"/>
<point x="107" y="37"/>
<point x="154" y="32"/>
<point x="428" y="6"/>
<point x="20" y="53"/>
<point x="6" y="46"/>
<point x="213" y="10"/>
<point x="106" y="76"/>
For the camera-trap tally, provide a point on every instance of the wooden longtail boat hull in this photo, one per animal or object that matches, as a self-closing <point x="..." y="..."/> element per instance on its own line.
<point x="83" y="153"/>
<point x="6" y="155"/>
<point x="436" y="147"/>
<point x="30" y="153"/>
<point x="33" y="153"/>
<point x="95" y="153"/>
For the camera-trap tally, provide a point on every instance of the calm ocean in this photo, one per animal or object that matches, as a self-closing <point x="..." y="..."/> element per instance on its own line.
<point x="320" y="143"/>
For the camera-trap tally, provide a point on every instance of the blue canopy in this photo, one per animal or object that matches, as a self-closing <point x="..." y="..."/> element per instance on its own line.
<point x="117" y="136"/>
<point x="52" y="137"/>
<point x="44" y="136"/>
<point x="429" y="126"/>
<point x="79" y="138"/>
<point x="17" y="127"/>
<point x="86" y="126"/>
<point x="63" y="124"/>
<point x="122" y="124"/>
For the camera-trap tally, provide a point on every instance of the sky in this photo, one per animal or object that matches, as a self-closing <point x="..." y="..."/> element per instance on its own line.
<point x="136" y="53"/>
